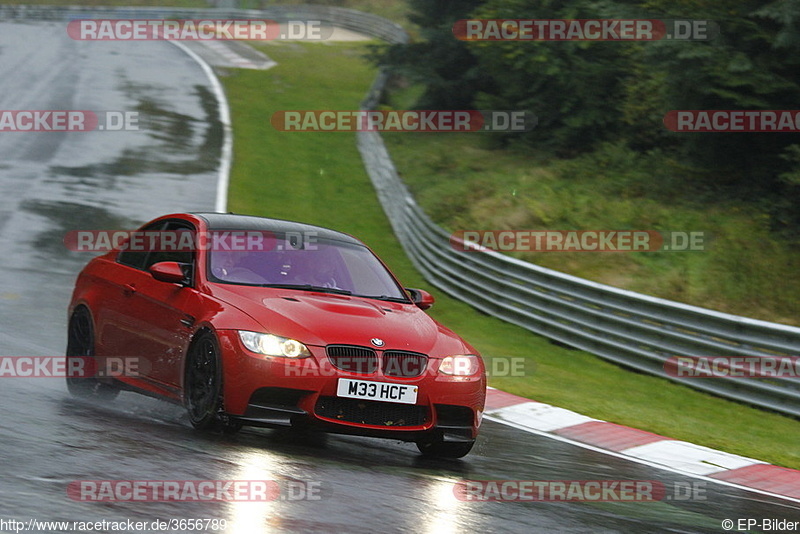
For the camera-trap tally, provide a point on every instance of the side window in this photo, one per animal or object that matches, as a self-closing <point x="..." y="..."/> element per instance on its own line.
<point x="177" y="245"/>
<point x="173" y="245"/>
<point x="137" y="258"/>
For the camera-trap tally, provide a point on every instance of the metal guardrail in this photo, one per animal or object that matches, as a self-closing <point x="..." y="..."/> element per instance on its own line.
<point x="630" y="329"/>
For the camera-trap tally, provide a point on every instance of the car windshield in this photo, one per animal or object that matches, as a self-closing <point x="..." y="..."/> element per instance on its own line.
<point x="320" y="265"/>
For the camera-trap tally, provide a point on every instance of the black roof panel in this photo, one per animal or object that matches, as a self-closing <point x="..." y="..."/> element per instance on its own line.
<point x="233" y="221"/>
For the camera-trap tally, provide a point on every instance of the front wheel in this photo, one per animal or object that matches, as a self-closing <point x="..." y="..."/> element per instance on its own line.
<point x="439" y="448"/>
<point x="203" y="387"/>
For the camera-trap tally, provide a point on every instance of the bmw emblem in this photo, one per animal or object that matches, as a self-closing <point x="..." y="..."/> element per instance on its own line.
<point x="378" y="342"/>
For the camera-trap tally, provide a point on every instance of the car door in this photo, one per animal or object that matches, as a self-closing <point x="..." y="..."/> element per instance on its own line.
<point x="149" y="321"/>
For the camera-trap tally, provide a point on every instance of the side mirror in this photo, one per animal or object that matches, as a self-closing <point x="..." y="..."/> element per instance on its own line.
<point x="168" y="271"/>
<point x="421" y="298"/>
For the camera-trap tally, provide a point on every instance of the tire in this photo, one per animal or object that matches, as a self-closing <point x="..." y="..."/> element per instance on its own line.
<point x="203" y="387"/>
<point x="445" y="449"/>
<point x="80" y="344"/>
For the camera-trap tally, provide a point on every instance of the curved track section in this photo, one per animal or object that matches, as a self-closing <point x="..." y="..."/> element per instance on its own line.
<point x="54" y="182"/>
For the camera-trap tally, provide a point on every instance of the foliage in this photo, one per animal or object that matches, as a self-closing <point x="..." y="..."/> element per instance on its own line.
<point x="587" y="93"/>
<point x="446" y="66"/>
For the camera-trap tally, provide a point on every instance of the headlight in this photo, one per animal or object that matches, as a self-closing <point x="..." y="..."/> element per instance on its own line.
<point x="460" y="365"/>
<point x="271" y="345"/>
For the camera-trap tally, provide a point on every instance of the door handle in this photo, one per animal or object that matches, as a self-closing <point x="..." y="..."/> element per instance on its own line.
<point x="129" y="289"/>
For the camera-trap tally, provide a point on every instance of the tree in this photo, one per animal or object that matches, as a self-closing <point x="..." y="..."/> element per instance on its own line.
<point x="445" y="65"/>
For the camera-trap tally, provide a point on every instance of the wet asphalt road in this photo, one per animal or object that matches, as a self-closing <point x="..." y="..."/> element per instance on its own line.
<point x="54" y="182"/>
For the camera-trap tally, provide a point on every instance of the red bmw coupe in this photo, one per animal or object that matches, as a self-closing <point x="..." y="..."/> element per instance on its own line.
<point x="253" y="321"/>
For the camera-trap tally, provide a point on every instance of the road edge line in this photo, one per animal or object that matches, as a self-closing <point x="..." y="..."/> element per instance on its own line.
<point x="226" y="154"/>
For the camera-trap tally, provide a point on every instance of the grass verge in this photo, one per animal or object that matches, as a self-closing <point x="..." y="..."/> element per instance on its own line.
<point x="743" y="269"/>
<point x="319" y="178"/>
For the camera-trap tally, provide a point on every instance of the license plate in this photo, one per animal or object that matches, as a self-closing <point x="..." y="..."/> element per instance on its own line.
<point x="379" y="391"/>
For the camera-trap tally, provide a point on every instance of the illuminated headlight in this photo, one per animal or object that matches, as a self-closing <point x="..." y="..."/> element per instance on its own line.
<point x="271" y="345"/>
<point x="460" y="365"/>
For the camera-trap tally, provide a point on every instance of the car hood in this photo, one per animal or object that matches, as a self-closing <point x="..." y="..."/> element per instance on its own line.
<point x="322" y="319"/>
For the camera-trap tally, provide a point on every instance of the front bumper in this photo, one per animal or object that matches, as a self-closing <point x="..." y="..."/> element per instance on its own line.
<point x="279" y="392"/>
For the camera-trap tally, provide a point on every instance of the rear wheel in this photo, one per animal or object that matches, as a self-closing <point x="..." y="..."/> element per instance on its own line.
<point x="203" y="387"/>
<point x="439" y="448"/>
<point x="80" y="356"/>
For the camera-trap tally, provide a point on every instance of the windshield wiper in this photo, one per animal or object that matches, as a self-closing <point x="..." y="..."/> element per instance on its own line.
<point x="386" y="298"/>
<point x="310" y="287"/>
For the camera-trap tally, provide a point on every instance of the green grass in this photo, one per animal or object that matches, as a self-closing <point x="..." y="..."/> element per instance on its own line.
<point x="319" y="178"/>
<point x="394" y="10"/>
<point x="464" y="183"/>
